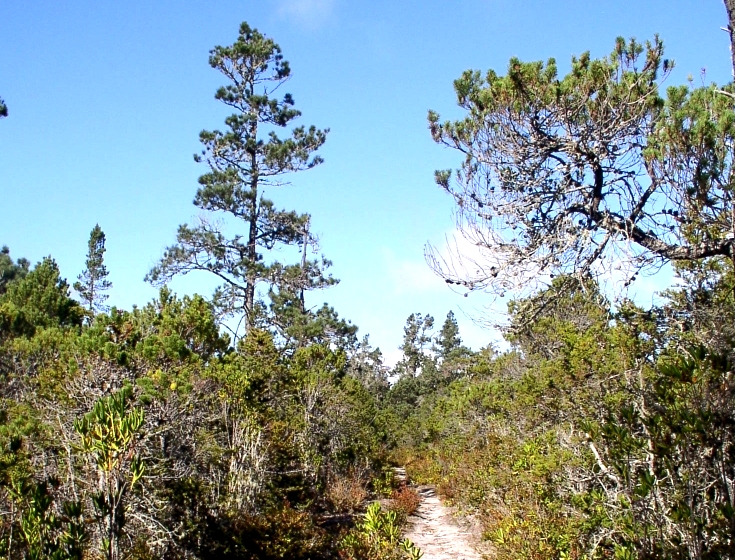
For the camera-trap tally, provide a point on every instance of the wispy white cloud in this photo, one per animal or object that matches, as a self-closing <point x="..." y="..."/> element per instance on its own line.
<point x="391" y="357"/>
<point x="311" y="14"/>
<point x="615" y="274"/>
<point x="410" y="276"/>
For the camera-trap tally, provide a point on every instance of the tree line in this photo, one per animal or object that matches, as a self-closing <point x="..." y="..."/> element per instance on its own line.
<point x="249" y="425"/>
<point x="606" y="431"/>
<point x="236" y="426"/>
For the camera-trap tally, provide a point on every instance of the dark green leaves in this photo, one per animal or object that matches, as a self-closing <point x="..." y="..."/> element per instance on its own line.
<point x="244" y="158"/>
<point x="92" y="283"/>
<point x="562" y="173"/>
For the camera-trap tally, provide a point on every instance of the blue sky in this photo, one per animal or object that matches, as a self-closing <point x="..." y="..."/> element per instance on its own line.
<point x="107" y="99"/>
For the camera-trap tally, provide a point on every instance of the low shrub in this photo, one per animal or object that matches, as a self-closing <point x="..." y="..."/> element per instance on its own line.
<point x="404" y="501"/>
<point x="377" y="537"/>
<point x="346" y="495"/>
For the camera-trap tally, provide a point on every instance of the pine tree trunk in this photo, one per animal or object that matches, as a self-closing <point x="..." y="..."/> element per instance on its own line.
<point x="250" y="283"/>
<point x="252" y="252"/>
<point x="730" y="7"/>
<point x="303" y="266"/>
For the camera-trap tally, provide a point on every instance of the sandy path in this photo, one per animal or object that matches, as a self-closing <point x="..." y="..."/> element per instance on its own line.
<point x="437" y="533"/>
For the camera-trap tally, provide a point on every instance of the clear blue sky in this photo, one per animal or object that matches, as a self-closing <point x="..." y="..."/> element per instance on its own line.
<point x="106" y="101"/>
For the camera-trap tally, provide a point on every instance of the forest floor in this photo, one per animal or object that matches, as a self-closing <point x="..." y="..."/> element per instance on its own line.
<point x="439" y="533"/>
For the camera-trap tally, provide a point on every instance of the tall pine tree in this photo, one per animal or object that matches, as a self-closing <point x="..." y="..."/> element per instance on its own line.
<point x="416" y="340"/>
<point x="242" y="160"/>
<point x="92" y="283"/>
<point x="10" y="270"/>
<point x="448" y="340"/>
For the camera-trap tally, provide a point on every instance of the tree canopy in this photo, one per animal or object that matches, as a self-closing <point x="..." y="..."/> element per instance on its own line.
<point x="242" y="160"/>
<point x="10" y="270"/>
<point x="597" y="431"/>
<point x="576" y="174"/>
<point x="92" y="283"/>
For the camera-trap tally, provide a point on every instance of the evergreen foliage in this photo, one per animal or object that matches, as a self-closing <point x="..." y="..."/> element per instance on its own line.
<point x="416" y="339"/>
<point x="10" y="270"/>
<point x="92" y="282"/>
<point x="145" y="434"/>
<point x="39" y="298"/>
<point x="604" y="432"/>
<point x="601" y="432"/>
<point x="448" y="340"/>
<point x="242" y="161"/>
<point x="577" y="174"/>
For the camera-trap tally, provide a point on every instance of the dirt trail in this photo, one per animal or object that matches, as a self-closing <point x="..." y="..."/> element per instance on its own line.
<point x="435" y="530"/>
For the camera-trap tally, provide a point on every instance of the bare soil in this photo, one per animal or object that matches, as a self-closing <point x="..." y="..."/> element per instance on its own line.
<point x="439" y="533"/>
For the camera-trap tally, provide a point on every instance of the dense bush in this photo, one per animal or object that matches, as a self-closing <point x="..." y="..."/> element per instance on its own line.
<point x="597" y="434"/>
<point x="143" y="434"/>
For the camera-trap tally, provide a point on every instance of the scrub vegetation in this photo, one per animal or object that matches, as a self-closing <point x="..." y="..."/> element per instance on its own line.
<point x="248" y="425"/>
